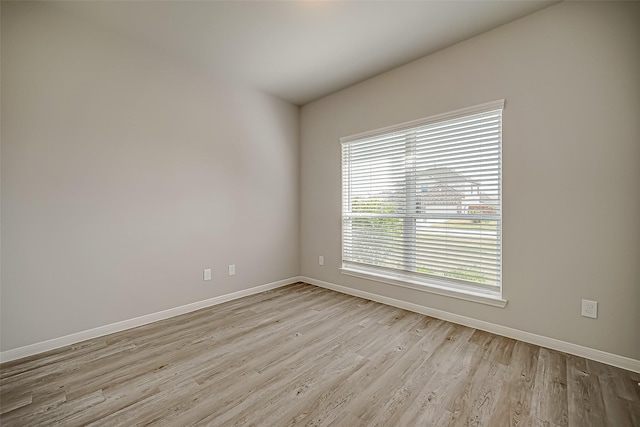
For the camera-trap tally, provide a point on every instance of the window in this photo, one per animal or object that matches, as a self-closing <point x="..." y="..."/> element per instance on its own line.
<point x="422" y="203"/>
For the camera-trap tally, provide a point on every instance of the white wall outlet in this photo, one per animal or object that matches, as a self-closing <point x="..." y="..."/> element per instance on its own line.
<point x="232" y="269"/>
<point x="206" y="274"/>
<point x="590" y="308"/>
<point x="321" y="260"/>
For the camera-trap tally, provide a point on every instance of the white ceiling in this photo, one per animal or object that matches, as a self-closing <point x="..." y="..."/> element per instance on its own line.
<point x="302" y="50"/>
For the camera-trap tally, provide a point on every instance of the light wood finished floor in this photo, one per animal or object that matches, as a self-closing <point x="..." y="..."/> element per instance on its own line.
<point x="302" y="355"/>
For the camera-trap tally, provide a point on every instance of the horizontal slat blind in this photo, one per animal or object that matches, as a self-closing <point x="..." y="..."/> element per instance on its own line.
<point x="426" y="200"/>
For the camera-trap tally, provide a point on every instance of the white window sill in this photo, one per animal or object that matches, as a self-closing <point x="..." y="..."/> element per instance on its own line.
<point x="478" y="296"/>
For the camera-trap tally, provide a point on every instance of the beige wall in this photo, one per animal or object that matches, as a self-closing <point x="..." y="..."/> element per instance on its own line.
<point x="125" y="173"/>
<point x="570" y="75"/>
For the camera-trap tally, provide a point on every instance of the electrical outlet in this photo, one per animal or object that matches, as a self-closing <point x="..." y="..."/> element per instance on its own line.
<point x="206" y="274"/>
<point x="232" y="269"/>
<point x="590" y="308"/>
<point x="321" y="260"/>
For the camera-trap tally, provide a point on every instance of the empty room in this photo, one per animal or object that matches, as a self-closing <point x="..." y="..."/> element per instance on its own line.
<point x="320" y="213"/>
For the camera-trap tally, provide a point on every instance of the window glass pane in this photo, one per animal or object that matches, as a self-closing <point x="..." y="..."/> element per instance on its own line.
<point x="426" y="200"/>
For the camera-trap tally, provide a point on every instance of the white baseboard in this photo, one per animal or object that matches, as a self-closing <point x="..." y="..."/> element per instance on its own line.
<point x="552" y="343"/>
<point x="575" y="349"/>
<point x="52" y="344"/>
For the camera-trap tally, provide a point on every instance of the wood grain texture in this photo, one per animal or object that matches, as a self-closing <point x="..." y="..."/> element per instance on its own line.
<point x="302" y="355"/>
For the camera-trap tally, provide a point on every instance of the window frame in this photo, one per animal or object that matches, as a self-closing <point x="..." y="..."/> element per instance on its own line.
<point x="490" y="295"/>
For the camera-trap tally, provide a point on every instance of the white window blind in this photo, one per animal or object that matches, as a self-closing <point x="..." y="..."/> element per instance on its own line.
<point x="422" y="200"/>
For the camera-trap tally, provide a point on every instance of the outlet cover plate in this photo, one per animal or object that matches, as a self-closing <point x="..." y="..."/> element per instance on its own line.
<point x="590" y="308"/>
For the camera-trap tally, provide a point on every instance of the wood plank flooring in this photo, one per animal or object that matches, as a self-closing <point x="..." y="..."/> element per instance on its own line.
<point x="302" y="355"/>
